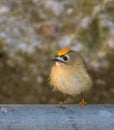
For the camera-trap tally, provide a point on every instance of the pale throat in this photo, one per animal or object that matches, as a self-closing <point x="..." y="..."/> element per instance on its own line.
<point x="58" y="64"/>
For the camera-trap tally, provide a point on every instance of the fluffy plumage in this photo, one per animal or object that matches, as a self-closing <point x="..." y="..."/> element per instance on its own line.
<point x="69" y="74"/>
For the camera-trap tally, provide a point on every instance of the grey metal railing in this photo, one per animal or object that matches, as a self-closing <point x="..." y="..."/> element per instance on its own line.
<point x="56" y="117"/>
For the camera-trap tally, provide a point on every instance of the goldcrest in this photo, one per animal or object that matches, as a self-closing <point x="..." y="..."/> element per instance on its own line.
<point x="69" y="73"/>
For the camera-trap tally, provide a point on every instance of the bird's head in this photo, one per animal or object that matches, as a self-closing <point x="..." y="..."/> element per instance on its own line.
<point x="68" y="57"/>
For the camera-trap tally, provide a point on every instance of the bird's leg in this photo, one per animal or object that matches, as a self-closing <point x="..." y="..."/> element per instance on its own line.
<point x="83" y="102"/>
<point x="63" y="102"/>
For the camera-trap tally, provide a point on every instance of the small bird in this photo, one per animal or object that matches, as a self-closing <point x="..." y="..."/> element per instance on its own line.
<point x="69" y="74"/>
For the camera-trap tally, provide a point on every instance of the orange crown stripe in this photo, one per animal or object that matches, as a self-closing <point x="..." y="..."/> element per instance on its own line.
<point x="62" y="52"/>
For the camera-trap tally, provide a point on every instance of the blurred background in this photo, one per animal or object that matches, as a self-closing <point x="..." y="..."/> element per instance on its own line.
<point x="32" y="31"/>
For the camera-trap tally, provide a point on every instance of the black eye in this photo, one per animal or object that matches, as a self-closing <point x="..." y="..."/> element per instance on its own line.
<point x="65" y="58"/>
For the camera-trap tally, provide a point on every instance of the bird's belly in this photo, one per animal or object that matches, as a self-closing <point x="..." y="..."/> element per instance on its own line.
<point x="69" y="82"/>
<point x="72" y="85"/>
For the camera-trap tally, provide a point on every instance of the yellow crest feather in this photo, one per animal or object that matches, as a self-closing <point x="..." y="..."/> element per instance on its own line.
<point x="63" y="52"/>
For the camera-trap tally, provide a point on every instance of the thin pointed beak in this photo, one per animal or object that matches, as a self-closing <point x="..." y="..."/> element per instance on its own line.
<point x="54" y="60"/>
<point x="57" y="60"/>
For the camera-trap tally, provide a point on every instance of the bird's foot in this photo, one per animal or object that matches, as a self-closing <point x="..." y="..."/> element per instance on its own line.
<point x="63" y="102"/>
<point x="82" y="103"/>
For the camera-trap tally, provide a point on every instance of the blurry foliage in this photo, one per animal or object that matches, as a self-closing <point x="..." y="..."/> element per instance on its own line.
<point x="31" y="33"/>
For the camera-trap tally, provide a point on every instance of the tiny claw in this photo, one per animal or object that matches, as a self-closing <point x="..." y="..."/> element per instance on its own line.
<point x="62" y="102"/>
<point x="83" y="103"/>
